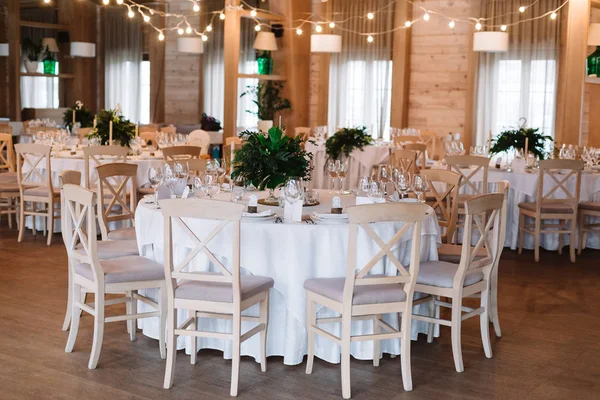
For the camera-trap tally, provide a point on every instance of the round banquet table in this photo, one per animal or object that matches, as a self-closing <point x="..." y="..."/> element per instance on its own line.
<point x="360" y="163"/>
<point x="290" y="253"/>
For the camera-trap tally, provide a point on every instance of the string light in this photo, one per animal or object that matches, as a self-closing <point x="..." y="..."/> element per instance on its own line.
<point x="253" y="13"/>
<point x="47" y="1"/>
<point x="503" y="28"/>
<point x="208" y="28"/>
<point x="105" y="2"/>
<point x="522" y="9"/>
<point x="332" y="25"/>
<point x="257" y="28"/>
<point x="407" y="24"/>
<point x="370" y="16"/>
<point x="196" y="7"/>
<point x="188" y="30"/>
<point x="161" y="37"/>
<point x="298" y="31"/>
<point x="478" y="26"/>
<point x="222" y="16"/>
<point x="130" y="14"/>
<point x="180" y="31"/>
<point x="452" y="24"/>
<point x="319" y="29"/>
<point x="370" y="39"/>
<point x="426" y="16"/>
<point x="119" y="2"/>
<point x="553" y="15"/>
<point x="204" y="38"/>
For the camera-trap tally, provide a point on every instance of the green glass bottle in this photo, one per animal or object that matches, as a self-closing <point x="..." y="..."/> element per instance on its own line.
<point x="593" y="63"/>
<point x="49" y="67"/>
<point x="265" y="63"/>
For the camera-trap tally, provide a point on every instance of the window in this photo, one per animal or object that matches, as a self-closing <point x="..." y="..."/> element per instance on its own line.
<point x="39" y="92"/>
<point x="145" y="92"/>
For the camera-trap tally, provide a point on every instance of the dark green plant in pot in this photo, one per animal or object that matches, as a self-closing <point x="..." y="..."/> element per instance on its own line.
<point x="346" y="140"/>
<point x="515" y="139"/>
<point x="122" y="131"/>
<point x="82" y="115"/>
<point x="33" y="52"/>
<point x="267" y="99"/>
<point x="267" y="161"/>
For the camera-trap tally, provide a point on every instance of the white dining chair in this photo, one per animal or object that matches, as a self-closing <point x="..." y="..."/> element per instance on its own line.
<point x="117" y="185"/>
<point x="9" y="185"/>
<point x="201" y="139"/>
<point x="442" y="197"/>
<point x="181" y="152"/>
<point x="364" y="296"/>
<point x="92" y="275"/>
<point x="471" y="276"/>
<point x="222" y="295"/>
<point x="95" y="156"/>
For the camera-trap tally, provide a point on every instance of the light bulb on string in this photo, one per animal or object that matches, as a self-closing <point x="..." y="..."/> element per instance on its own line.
<point x="522" y="9"/>
<point x="180" y="31"/>
<point x="221" y="16"/>
<point x="553" y="15"/>
<point x="478" y="26"/>
<point x="257" y="28"/>
<point x="370" y="39"/>
<point x="503" y="28"/>
<point x="119" y="2"/>
<point x="426" y="16"/>
<point x="332" y="25"/>
<point x="47" y="1"/>
<point x="452" y="24"/>
<point x="188" y="30"/>
<point x="253" y="13"/>
<point x="370" y="16"/>
<point x="209" y="28"/>
<point x="146" y="17"/>
<point x="105" y="2"/>
<point x="407" y="24"/>
<point x="130" y="13"/>
<point x="161" y="36"/>
<point x="298" y="31"/>
<point x="319" y="29"/>
<point x="196" y="7"/>
<point x="204" y="38"/>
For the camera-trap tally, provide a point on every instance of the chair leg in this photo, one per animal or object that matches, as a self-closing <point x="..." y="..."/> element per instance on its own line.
<point x="311" y="320"/>
<point x="163" y="322"/>
<point x="455" y="334"/>
<point x="521" y="232"/>
<point x="572" y="240"/>
<point x="431" y="325"/>
<point x="235" y="356"/>
<point x="536" y="239"/>
<point x="194" y="340"/>
<point x="264" y="319"/>
<point x="98" y="329"/>
<point x="376" y="343"/>
<point x="75" y="317"/>
<point x="21" y="221"/>
<point x="171" y="348"/>
<point x="484" y="323"/>
<point x="10" y="205"/>
<point x="67" y="319"/>
<point x="345" y="362"/>
<point x="581" y="231"/>
<point x="50" y="222"/>
<point x="494" y="303"/>
<point x="405" y="346"/>
<point x="129" y="310"/>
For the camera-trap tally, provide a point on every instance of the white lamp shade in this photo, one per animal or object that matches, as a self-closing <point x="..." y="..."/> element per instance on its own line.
<point x="83" y="49"/>
<point x="192" y="45"/>
<point x="265" y="41"/>
<point x="3" y="49"/>
<point x="325" y="43"/>
<point x="490" y="42"/>
<point x="50" y="43"/>
<point x="594" y="35"/>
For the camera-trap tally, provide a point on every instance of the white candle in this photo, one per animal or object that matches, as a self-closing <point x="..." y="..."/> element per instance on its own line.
<point x="73" y="117"/>
<point x="94" y="122"/>
<point x="280" y="122"/>
<point x="526" y="147"/>
<point x="110" y="133"/>
<point x="137" y="130"/>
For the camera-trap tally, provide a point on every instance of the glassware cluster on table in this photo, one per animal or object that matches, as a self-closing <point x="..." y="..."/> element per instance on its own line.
<point x="58" y="139"/>
<point x="41" y="122"/>
<point x="337" y="169"/>
<point x="376" y="187"/>
<point x="167" y="139"/>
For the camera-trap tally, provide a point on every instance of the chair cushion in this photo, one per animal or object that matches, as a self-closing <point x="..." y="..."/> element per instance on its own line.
<point x="8" y="186"/>
<point x="333" y="288"/>
<point x="125" y="269"/>
<point x="222" y="292"/>
<point x="441" y="274"/>
<point x="451" y="253"/>
<point x="122" y="234"/>
<point x="113" y="248"/>
<point x="589" y="205"/>
<point x="551" y="208"/>
<point x="8" y="177"/>
<point x="41" y="191"/>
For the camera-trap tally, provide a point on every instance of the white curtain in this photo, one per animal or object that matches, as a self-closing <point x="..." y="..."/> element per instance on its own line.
<point x="522" y="82"/>
<point x="360" y="77"/>
<point x="122" y="58"/>
<point x="247" y="65"/>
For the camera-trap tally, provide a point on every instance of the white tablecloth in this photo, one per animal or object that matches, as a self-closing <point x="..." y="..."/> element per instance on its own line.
<point x="290" y="254"/>
<point x="360" y="163"/>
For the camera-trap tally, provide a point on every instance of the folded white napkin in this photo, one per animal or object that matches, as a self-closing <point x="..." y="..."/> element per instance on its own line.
<point x="261" y="214"/>
<point x="330" y="216"/>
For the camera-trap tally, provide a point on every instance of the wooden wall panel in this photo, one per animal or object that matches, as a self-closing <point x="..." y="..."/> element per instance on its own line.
<point x="14" y="61"/>
<point x="156" y="51"/>
<point x="401" y="65"/>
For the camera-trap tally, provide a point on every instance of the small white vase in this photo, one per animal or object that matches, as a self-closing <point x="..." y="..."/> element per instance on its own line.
<point x="264" y="126"/>
<point x="31" y="66"/>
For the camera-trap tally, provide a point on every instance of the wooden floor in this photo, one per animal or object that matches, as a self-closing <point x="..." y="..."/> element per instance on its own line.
<point x="550" y="347"/>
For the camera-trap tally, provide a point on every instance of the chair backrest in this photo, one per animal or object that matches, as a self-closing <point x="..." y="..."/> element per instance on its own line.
<point x="169" y="129"/>
<point x="224" y="213"/>
<point x="420" y="149"/>
<point x="474" y="164"/>
<point x="181" y="152"/>
<point x="34" y="157"/>
<point x="66" y="177"/>
<point x="199" y="138"/>
<point x="502" y="187"/>
<point x="411" y="216"/>
<point x="405" y="160"/>
<point x="6" y="129"/>
<point x="560" y="172"/>
<point x="485" y="213"/>
<point x="113" y="182"/>
<point x="196" y="166"/>
<point x="430" y="139"/>
<point x="303" y="132"/>
<point x="37" y="129"/>
<point x="82" y="133"/>
<point x="445" y="204"/>
<point x="7" y="156"/>
<point x="148" y="128"/>
<point x="93" y="158"/>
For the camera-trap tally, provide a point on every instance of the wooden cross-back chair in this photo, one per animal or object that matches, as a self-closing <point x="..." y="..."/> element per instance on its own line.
<point x="9" y="187"/>
<point x="405" y="160"/>
<point x="148" y="128"/>
<point x="5" y="128"/>
<point x="443" y="200"/>
<point x="469" y="277"/>
<point x="224" y="294"/>
<point x="94" y="156"/>
<point x="149" y="137"/>
<point x="37" y="129"/>
<point x="547" y="207"/>
<point x="364" y="296"/>
<point x="90" y="274"/>
<point x="35" y="187"/>
<point x="421" y="150"/>
<point x="116" y="185"/>
<point x="196" y="166"/>
<point x="7" y="153"/>
<point x="430" y="139"/>
<point x="169" y="129"/>
<point x="181" y="152"/>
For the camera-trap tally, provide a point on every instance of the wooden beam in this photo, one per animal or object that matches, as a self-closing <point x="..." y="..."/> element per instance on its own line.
<point x="156" y="52"/>
<point x="468" y="136"/>
<point x="4" y="100"/>
<point x="324" y="11"/>
<point x="45" y="25"/>
<point x="14" y="60"/>
<point x="401" y="66"/>
<point x="231" y="58"/>
<point x="594" y="122"/>
<point x="263" y="15"/>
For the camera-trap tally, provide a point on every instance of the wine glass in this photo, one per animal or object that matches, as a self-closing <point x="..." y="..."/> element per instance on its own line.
<point x="384" y="176"/>
<point x="419" y="185"/>
<point x="332" y="172"/>
<point x="375" y="193"/>
<point x="211" y="182"/>
<point x="293" y="190"/>
<point x="402" y="183"/>
<point x="199" y="187"/>
<point x="363" y="184"/>
<point x="342" y="173"/>
<point x="156" y="178"/>
<point x="170" y="177"/>
<point x="222" y="169"/>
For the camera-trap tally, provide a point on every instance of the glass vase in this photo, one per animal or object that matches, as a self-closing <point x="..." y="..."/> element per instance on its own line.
<point x="270" y="200"/>
<point x="265" y="63"/>
<point x="49" y="67"/>
<point x="593" y="63"/>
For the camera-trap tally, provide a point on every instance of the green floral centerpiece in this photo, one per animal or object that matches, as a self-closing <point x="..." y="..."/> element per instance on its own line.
<point x="346" y="140"/>
<point x="267" y="161"/>
<point x="82" y="115"/>
<point x="515" y="139"/>
<point x="123" y="130"/>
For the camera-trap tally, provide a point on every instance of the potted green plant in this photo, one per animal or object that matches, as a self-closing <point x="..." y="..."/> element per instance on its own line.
<point x="268" y="102"/>
<point x="515" y="139"/>
<point x="33" y="54"/>
<point x="78" y="113"/>
<point x="267" y="161"/>
<point x="123" y="130"/>
<point x="345" y="141"/>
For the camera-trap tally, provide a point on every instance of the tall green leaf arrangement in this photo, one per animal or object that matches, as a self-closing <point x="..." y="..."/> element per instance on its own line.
<point x="268" y="100"/>
<point x="123" y="129"/>
<point x="267" y="161"/>
<point x="82" y="115"/>
<point x="346" y="140"/>
<point x="515" y="139"/>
